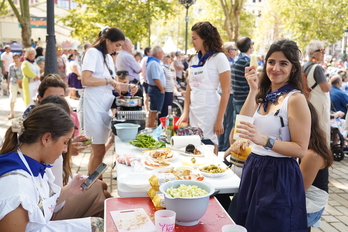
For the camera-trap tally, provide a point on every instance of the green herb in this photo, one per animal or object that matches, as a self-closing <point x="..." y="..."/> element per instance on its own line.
<point x="146" y="141"/>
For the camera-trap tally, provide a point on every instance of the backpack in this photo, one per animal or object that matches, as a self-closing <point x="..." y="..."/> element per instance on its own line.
<point x="307" y="81"/>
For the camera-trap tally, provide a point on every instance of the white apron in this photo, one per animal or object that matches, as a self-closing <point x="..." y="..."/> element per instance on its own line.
<point x="321" y="102"/>
<point x="46" y="204"/>
<point x="96" y="111"/>
<point x="205" y="102"/>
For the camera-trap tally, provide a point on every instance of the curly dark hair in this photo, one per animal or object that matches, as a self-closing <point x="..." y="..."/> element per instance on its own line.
<point x="210" y="35"/>
<point x="291" y="51"/>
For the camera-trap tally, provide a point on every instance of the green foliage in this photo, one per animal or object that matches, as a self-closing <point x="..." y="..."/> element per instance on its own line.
<point x="132" y="16"/>
<point x="306" y="20"/>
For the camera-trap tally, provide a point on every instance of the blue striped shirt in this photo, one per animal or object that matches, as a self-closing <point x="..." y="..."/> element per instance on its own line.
<point x="239" y="83"/>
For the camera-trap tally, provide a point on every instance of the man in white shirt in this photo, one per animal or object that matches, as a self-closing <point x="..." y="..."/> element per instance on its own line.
<point x="6" y="59"/>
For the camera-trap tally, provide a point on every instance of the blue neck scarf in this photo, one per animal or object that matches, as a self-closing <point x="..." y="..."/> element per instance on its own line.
<point x="203" y="59"/>
<point x="70" y="60"/>
<point x="31" y="61"/>
<point x="272" y="97"/>
<point x="151" y="58"/>
<point x="11" y="162"/>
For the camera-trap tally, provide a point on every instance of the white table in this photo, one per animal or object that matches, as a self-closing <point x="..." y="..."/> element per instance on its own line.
<point x="228" y="183"/>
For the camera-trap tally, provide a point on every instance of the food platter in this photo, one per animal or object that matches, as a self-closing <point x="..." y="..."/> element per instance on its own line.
<point x="191" y="154"/>
<point x="222" y="171"/>
<point x="181" y="173"/>
<point x="135" y="180"/>
<point x="156" y="164"/>
<point x="161" y="154"/>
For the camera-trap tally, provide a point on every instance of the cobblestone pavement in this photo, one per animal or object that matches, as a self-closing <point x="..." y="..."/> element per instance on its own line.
<point x="334" y="219"/>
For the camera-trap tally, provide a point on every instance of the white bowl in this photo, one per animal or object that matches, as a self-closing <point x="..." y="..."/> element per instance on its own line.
<point x="188" y="209"/>
<point x="127" y="131"/>
<point x="135" y="180"/>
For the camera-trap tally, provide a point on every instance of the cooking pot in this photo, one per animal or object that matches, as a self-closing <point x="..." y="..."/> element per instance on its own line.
<point x="129" y="101"/>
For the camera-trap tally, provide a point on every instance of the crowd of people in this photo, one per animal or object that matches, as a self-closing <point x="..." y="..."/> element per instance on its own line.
<point x="284" y="181"/>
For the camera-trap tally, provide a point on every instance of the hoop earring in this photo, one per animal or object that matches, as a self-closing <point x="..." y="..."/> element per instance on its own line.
<point x="313" y="59"/>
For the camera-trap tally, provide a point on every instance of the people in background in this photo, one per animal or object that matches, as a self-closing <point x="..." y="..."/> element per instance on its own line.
<point x="31" y="77"/>
<point x="319" y="95"/>
<point x="315" y="171"/>
<point x="15" y="75"/>
<point x="157" y="82"/>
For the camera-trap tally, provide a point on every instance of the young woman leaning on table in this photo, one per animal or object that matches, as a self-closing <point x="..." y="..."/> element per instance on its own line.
<point x="271" y="195"/>
<point x="315" y="170"/>
<point x="98" y="78"/>
<point x="28" y="196"/>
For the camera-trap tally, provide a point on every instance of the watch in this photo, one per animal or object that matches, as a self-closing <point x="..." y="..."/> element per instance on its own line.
<point x="269" y="144"/>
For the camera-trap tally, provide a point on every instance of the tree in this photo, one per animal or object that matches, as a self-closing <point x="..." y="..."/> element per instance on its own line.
<point x="134" y="17"/>
<point x="314" y="19"/>
<point x="24" y="20"/>
<point x="232" y="10"/>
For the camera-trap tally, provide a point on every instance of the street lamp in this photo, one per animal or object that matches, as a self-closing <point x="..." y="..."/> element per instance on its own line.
<point x="186" y="4"/>
<point x="50" y="56"/>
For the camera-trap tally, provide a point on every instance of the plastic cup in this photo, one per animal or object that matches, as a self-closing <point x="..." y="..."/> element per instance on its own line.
<point x="165" y="220"/>
<point x="233" y="228"/>
<point x="208" y="151"/>
<point x="241" y="118"/>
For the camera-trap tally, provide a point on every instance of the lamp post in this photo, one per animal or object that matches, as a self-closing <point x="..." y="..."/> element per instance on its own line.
<point x="50" y="57"/>
<point x="186" y="4"/>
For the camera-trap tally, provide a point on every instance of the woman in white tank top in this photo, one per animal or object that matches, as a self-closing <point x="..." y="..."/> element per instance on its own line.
<point x="271" y="194"/>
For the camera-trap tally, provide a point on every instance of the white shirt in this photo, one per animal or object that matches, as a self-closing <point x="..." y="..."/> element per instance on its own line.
<point x="71" y="64"/>
<point x="20" y="189"/>
<point x="6" y="60"/>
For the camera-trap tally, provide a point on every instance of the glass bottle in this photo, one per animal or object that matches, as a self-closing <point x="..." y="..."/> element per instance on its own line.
<point x="170" y="129"/>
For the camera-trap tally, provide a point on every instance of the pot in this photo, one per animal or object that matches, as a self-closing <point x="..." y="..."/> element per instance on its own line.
<point x="129" y="101"/>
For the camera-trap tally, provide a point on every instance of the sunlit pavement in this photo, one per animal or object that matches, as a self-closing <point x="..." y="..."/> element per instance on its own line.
<point x="335" y="217"/>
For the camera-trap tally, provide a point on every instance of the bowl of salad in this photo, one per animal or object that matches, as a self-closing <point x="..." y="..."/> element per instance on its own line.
<point x="189" y="199"/>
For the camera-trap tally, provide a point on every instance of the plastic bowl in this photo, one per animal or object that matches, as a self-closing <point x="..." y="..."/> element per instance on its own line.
<point x="127" y="131"/>
<point x="188" y="209"/>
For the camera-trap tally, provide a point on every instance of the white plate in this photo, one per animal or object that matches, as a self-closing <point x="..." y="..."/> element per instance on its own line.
<point x="135" y="180"/>
<point x="200" y="148"/>
<point x="186" y="161"/>
<point x="151" y="167"/>
<point x="213" y="175"/>
<point x="175" y="155"/>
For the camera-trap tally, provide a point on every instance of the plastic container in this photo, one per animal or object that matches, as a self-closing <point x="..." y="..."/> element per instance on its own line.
<point x="163" y="121"/>
<point x="188" y="209"/>
<point x="127" y="131"/>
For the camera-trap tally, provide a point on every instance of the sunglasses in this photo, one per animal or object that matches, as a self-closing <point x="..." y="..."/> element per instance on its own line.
<point x="59" y="49"/>
<point x="320" y="50"/>
<point x="122" y="73"/>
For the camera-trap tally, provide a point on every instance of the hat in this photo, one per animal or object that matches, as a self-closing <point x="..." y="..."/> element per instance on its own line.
<point x="167" y="56"/>
<point x="177" y="53"/>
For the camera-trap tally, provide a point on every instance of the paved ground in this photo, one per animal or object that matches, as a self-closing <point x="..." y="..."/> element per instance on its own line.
<point x="335" y="217"/>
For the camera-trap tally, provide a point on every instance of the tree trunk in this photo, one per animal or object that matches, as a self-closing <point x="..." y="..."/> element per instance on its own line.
<point x="24" y="20"/>
<point x="26" y="34"/>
